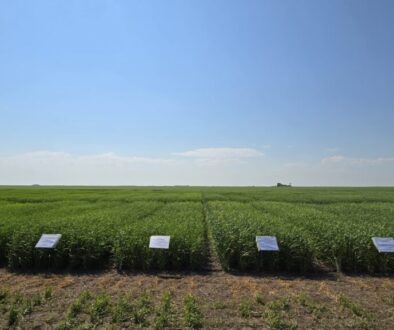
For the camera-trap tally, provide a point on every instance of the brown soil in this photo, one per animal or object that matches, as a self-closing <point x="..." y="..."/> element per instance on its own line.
<point x="331" y="301"/>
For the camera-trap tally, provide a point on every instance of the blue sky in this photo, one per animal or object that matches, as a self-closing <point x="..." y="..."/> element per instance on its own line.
<point x="197" y="92"/>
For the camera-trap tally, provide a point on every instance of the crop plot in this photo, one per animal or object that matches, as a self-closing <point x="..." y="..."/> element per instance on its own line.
<point x="183" y="221"/>
<point x="335" y="235"/>
<point x="88" y="233"/>
<point x="316" y="228"/>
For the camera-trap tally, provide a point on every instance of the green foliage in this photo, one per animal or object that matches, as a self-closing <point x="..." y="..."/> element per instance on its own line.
<point x="364" y="319"/>
<point x="100" y="307"/>
<point x="310" y="305"/>
<point x="122" y="310"/>
<point x="48" y="293"/>
<point x="182" y="221"/>
<point x="97" y="234"/>
<point x="13" y="316"/>
<point x="79" y="305"/>
<point x="234" y="228"/>
<point x="275" y="312"/>
<point x="192" y="313"/>
<point x="74" y="309"/>
<point x="317" y="228"/>
<point x="389" y="300"/>
<point x="276" y="320"/>
<point x="335" y="235"/>
<point x="19" y="305"/>
<point x="142" y="309"/>
<point x="281" y="304"/>
<point x="246" y="308"/>
<point x="4" y="294"/>
<point x="259" y="298"/>
<point x="355" y="308"/>
<point x="69" y="324"/>
<point x="164" y="313"/>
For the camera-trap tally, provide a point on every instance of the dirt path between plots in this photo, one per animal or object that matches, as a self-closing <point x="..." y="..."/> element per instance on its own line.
<point x="225" y="300"/>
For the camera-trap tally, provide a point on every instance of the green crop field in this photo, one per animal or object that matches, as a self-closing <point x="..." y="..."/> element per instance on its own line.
<point x="318" y="229"/>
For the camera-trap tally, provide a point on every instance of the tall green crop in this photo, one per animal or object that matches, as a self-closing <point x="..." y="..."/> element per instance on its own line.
<point x="317" y="228"/>
<point x="182" y="221"/>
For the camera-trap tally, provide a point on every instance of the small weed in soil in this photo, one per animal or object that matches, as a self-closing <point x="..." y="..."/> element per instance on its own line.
<point x="192" y="313"/>
<point x="164" y="313"/>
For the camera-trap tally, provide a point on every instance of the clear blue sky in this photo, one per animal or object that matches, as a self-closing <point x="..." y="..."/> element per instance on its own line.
<point x="280" y="87"/>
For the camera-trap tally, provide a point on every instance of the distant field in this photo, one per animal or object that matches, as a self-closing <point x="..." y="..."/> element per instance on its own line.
<point x="102" y="275"/>
<point x="318" y="229"/>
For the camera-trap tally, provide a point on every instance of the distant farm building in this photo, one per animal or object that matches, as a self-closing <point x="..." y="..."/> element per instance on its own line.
<point x="283" y="185"/>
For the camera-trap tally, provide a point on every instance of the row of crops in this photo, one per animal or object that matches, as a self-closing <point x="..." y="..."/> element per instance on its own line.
<point x="103" y="228"/>
<point x="311" y="237"/>
<point x="98" y="235"/>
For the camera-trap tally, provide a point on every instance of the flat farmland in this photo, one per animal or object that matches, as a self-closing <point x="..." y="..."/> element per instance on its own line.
<point x="103" y="273"/>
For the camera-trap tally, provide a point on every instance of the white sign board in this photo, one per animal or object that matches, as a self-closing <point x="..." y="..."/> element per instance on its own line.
<point x="48" y="241"/>
<point x="267" y="243"/>
<point x="159" y="242"/>
<point x="384" y="244"/>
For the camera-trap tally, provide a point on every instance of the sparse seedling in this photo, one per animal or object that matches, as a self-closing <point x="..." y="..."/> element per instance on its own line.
<point x="13" y="316"/>
<point x="310" y="305"/>
<point x="276" y="320"/>
<point x="48" y="293"/>
<point x="281" y="304"/>
<point x="259" y="298"/>
<point x="78" y="305"/>
<point x="123" y="309"/>
<point x="3" y="295"/>
<point x="192" y="313"/>
<point x="74" y="309"/>
<point x="389" y="300"/>
<point x="275" y="312"/>
<point x="27" y="307"/>
<point x="246" y="308"/>
<point x="100" y="307"/>
<point x="69" y="324"/>
<point x="142" y="309"/>
<point x="355" y="308"/>
<point x="164" y="313"/>
<point x="18" y="298"/>
<point x="37" y="300"/>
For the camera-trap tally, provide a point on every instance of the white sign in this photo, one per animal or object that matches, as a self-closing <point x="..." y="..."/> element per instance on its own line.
<point x="267" y="243"/>
<point x="384" y="244"/>
<point x="48" y="241"/>
<point x="159" y="242"/>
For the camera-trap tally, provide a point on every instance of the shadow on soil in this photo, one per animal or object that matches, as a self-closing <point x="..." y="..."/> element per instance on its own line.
<point x="317" y="276"/>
